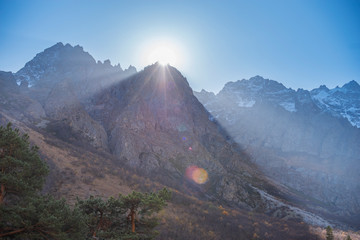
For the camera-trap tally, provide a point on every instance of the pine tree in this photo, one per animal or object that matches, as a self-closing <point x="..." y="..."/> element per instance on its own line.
<point x="348" y="237"/>
<point x="22" y="170"/>
<point x="104" y="219"/>
<point x="24" y="214"/>
<point x="329" y="233"/>
<point x="41" y="217"/>
<point x="125" y="217"/>
<point x="140" y="208"/>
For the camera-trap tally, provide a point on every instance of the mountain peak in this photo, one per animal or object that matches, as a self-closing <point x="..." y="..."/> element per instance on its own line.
<point x="57" y="58"/>
<point x="257" y="78"/>
<point x="56" y="63"/>
<point x="166" y="75"/>
<point x="352" y="85"/>
<point x="57" y="45"/>
<point x="256" y="84"/>
<point x="324" y="87"/>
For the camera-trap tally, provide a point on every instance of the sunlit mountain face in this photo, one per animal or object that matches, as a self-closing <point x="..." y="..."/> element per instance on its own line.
<point x="240" y="157"/>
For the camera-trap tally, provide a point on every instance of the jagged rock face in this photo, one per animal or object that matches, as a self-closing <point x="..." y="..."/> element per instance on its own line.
<point x="16" y="104"/>
<point x="61" y="80"/>
<point x="62" y="62"/>
<point x="7" y="82"/>
<point x="341" y="102"/>
<point x="63" y="106"/>
<point x="295" y="138"/>
<point x="155" y="123"/>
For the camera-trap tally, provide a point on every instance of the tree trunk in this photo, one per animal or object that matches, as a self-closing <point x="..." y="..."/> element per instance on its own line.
<point x="11" y="233"/>
<point x="2" y="193"/>
<point x="98" y="225"/>
<point x="132" y="220"/>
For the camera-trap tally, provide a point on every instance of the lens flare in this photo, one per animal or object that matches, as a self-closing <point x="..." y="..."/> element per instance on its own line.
<point x="198" y="175"/>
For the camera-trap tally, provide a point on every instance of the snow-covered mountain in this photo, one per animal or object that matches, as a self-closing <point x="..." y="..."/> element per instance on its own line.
<point x="257" y="89"/>
<point x="341" y="102"/>
<point x="308" y="141"/>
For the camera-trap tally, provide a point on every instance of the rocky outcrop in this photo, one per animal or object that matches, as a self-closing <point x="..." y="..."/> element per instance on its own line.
<point x="16" y="104"/>
<point x="7" y="82"/>
<point x="63" y="106"/>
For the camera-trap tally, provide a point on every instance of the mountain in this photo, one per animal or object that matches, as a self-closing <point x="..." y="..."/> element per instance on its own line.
<point x="299" y="139"/>
<point x="340" y="102"/>
<point x="150" y="121"/>
<point x="156" y="125"/>
<point x="105" y="130"/>
<point x="65" y="62"/>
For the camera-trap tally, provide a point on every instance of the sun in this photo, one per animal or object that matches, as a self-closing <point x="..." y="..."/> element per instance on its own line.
<point x="162" y="51"/>
<point x="163" y="54"/>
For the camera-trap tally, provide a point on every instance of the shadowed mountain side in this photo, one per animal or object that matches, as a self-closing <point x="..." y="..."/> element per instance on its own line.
<point x="296" y="143"/>
<point x="16" y="104"/>
<point x="60" y="82"/>
<point x="60" y="63"/>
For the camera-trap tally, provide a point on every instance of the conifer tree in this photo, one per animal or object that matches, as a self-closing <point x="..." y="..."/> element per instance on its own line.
<point x="41" y="217"/>
<point x="329" y="233"/>
<point x="125" y="217"/>
<point x="140" y="208"/>
<point x="348" y="237"/>
<point x="24" y="214"/>
<point x="22" y="170"/>
<point x="104" y="219"/>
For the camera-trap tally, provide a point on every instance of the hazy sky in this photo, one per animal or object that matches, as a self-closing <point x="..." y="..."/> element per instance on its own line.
<point x="301" y="43"/>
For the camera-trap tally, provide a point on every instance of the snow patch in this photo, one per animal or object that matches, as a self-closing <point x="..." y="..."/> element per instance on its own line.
<point x="321" y="96"/>
<point x="289" y="106"/>
<point x="246" y="103"/>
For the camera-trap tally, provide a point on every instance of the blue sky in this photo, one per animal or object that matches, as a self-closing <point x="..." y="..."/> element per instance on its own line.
<point x="301" y="43"/>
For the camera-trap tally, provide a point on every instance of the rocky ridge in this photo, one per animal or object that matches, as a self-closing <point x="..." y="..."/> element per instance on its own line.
<point x="298" y="138"/>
